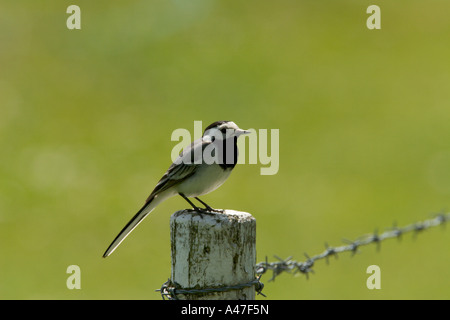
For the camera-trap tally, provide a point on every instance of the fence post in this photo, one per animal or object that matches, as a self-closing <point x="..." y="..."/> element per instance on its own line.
<point x="211" y="251"/>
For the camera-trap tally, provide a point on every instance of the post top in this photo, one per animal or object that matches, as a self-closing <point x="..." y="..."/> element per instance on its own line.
<point x="227" y="215"/>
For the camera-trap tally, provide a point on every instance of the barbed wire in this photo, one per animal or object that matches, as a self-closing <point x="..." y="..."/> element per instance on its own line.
<point x="171" y="289"/>
<point x="305" y="267"/>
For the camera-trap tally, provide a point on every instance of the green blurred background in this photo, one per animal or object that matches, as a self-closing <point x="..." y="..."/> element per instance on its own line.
<point x="86" y="118"/>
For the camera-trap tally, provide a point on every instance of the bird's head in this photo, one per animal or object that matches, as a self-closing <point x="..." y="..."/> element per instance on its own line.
<point x="223" y="130"/>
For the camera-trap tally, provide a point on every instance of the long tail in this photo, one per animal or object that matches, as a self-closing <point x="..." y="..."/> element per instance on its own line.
<point x="133" y="223"/>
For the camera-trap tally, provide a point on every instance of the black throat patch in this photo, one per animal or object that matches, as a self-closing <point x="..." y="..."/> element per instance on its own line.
<point x="229" y="157"/>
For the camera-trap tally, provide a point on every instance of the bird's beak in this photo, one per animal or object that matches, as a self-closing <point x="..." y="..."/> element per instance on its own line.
<point x="239" y="132"/>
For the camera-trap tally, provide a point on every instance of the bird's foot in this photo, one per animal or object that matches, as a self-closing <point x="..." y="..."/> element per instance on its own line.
<point x="206" y="211"/>
<point x="209" y="209"/>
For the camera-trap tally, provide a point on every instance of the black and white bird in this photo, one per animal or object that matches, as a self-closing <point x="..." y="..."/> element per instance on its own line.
<point x="200" y="168"/>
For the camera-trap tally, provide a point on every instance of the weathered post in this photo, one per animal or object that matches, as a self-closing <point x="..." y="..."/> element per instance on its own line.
<point x="213" y="252"/>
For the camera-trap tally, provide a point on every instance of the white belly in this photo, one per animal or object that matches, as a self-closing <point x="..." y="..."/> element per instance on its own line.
<point x="203" y="181"/>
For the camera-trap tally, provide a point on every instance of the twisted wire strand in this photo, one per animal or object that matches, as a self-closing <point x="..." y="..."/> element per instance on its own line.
<point x="305" y="267"/>
<point x="170" y="289"/>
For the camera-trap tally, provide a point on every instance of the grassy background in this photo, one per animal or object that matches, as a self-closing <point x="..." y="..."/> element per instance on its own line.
<point x="86" y="117"/>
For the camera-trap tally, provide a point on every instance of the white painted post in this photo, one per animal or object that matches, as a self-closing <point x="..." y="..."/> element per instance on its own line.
<point x="213" y="251"/>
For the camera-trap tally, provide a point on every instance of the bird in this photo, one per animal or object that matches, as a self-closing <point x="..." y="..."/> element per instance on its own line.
<point x="199" y="169"/>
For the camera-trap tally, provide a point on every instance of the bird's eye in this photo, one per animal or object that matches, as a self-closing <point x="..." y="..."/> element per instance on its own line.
<point x="213" y="138"/>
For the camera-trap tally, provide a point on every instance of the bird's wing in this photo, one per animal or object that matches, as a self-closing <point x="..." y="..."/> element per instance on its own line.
<point x="182" y="168"/>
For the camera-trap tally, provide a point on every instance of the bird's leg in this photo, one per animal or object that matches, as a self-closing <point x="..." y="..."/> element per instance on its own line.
<point x="193" y="205"/>
<point x="208" y="207"/>
<point x="200" y="211"/>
